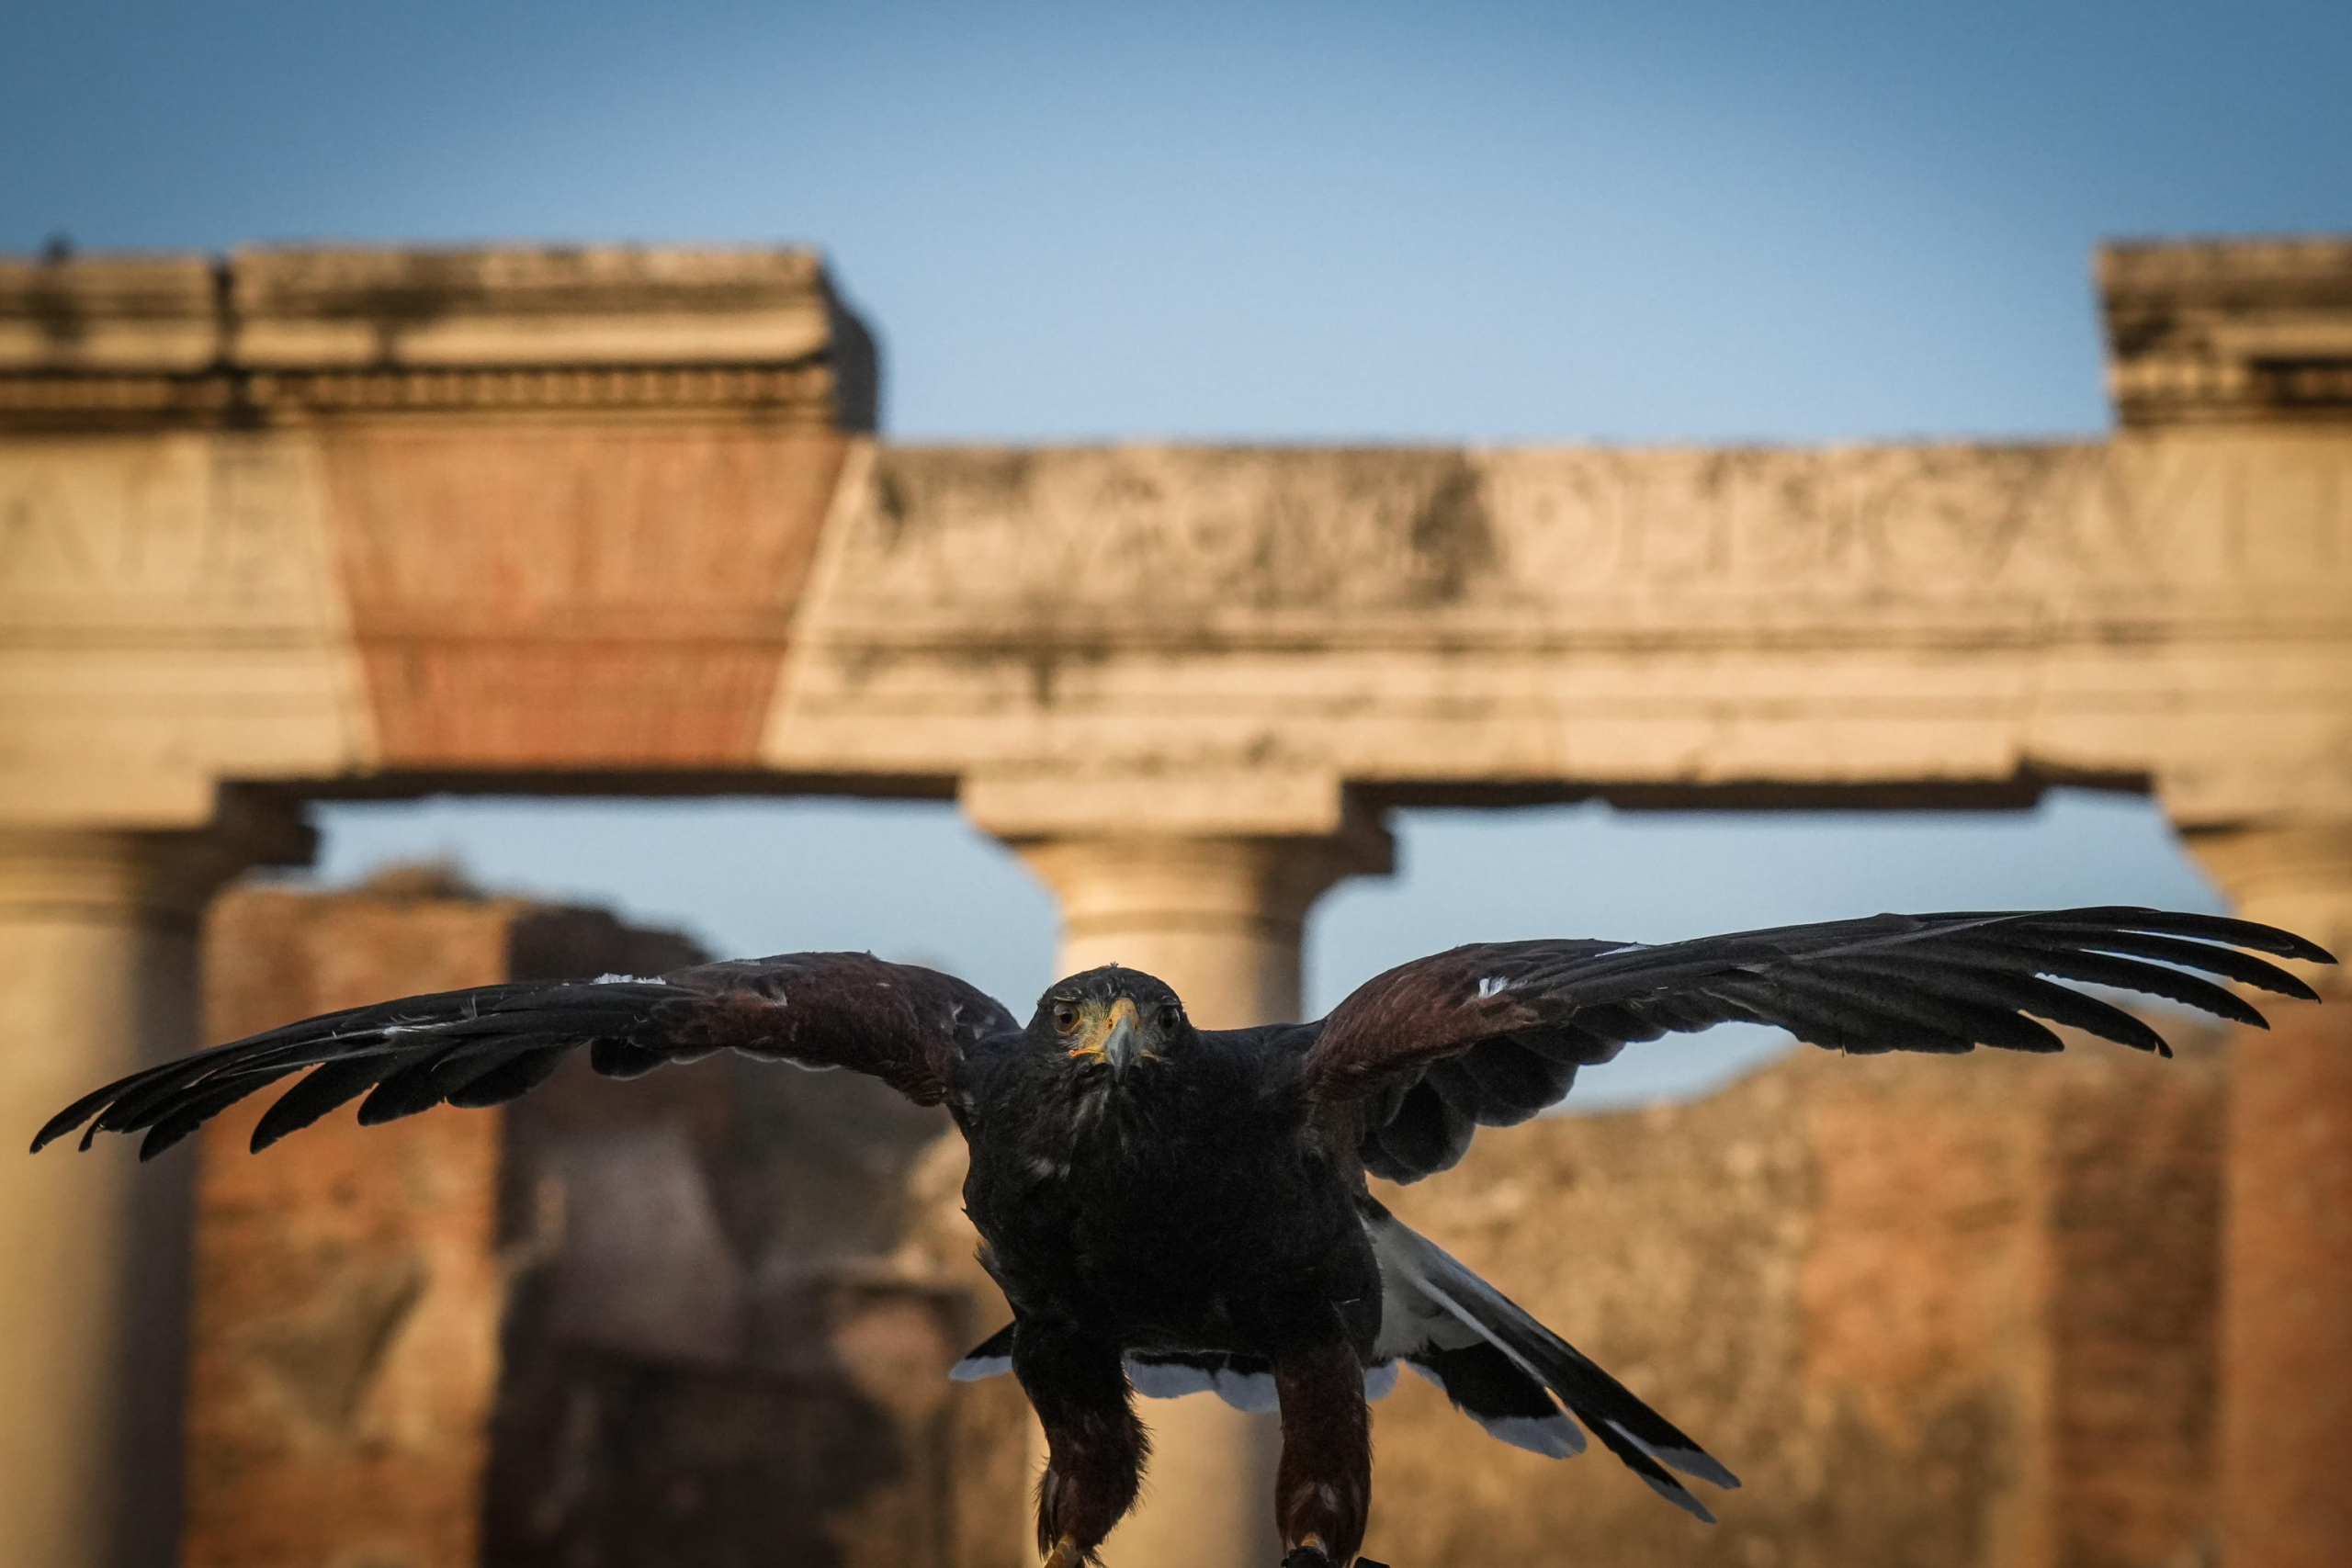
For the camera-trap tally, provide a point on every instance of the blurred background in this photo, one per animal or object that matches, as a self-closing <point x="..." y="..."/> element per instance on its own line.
<point x="1973" y="1321"/>
<point x="1663" y="223"/>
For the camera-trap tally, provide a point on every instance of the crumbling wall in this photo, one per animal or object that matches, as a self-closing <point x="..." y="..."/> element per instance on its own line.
<point x="614" y="1325"/>
<point x="713" y="1355"/>
<point x="346" y="1283"/>
<point x="1936" y="1314"/>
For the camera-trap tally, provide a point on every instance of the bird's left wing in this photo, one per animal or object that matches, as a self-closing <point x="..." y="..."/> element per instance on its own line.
<point x="1490" y="1034"/>
<point x="905" y="1025"/>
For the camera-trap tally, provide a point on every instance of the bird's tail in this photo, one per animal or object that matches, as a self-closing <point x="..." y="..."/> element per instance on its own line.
<point x="1504" y="1368"/>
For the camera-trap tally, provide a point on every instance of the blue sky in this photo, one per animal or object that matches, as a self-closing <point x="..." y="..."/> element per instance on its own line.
<point x="1650" y="223"/>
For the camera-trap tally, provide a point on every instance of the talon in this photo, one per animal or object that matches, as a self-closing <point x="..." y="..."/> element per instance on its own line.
<point x="1065" y="1553"/>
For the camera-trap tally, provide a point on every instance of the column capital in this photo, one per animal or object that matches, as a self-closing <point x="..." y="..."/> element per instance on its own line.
<point x="1218" y="916"/>
<point x="1267" y="878"/>
<point x="2295" y="875"/>
<point x="169" y="876"/>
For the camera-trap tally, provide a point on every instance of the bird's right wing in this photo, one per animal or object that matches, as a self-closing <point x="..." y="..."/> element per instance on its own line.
<point x="905" y="1025"/>
<point x="1423" y="1055"/>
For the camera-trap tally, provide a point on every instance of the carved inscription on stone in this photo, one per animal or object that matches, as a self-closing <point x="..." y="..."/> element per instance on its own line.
<point x="1133" y="540"/>
<point x="167" y="618"/>
<point x="148" y="533"/>
<point x="2176" y="608"/>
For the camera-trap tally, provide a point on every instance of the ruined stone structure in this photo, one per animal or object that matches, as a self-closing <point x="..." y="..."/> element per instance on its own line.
<point x="616" y="1324"/>
<point x="1943" y="1320"/>
<point x="310" y="523"/>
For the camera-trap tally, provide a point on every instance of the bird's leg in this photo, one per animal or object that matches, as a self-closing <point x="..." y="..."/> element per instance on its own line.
<point x="1323" y="1486"/>
<point x="1094" y="1445"/>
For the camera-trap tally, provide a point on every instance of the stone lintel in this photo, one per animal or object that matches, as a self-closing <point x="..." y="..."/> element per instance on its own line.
<point x="1923" y="626"/>
<point x="2229" y="330"/>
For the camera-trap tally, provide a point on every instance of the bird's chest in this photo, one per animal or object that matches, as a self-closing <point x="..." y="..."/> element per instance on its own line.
<point x="1171" y="1217"/>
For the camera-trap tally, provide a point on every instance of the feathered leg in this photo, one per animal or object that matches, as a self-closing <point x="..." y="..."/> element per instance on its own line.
<point x="1323" y="1486"/>
<point x="1094" y="1445"/>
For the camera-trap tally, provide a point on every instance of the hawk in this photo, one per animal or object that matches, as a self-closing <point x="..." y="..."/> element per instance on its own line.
<point x="1171" y="1209"/>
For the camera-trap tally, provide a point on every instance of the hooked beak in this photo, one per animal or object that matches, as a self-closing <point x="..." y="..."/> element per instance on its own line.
<point x="1117" y="1039"/>
<point x="1121" y="1043"/>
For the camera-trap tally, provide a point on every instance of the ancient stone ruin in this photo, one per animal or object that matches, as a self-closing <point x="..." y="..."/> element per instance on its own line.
<point x="298" y="524"/>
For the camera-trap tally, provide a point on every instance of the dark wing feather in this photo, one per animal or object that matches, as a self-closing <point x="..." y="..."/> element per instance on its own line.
<point x="905" y="1025"/>
<point x="1481" y="1035"/>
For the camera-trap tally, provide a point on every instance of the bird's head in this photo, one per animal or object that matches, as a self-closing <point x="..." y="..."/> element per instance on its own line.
<point x="1111" y="1019"/>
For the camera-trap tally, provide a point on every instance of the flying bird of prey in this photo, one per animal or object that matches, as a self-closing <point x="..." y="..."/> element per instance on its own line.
<point x="1171" y="1209"/>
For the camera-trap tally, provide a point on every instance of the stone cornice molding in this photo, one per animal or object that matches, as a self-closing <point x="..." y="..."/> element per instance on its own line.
<point x="270" y="335"/>
<point x="2234" y="330"/>
<point x="2292" y="874"/>
<point x="153" y="878"/>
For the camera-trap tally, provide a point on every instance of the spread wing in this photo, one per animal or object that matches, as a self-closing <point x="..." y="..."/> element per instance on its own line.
<point x="905" y="1025"/>
<point x="1489" y="1036"/>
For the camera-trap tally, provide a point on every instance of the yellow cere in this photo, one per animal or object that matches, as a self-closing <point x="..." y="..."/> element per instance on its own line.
<point x="1098" y="1021"/>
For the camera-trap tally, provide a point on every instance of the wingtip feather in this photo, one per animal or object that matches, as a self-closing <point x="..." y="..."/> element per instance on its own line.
<point x="163" y="1134"/>
<point x="1677" y="1496"/>
<point x="75" y="1114"/>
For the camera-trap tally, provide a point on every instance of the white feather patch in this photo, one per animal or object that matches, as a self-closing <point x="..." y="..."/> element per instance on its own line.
<point x="1167" y="1380"/>
<point x="1173" y="1379"/>
<point x="1553" y="1437"/>
<point x="972" y="1368"/>
<point x="1252" y="1391"/>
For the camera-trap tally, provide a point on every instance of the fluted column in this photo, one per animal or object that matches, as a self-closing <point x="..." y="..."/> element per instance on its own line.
<point x="97" y="977"/>
<point x="1219" y="919"/>
<point x="2286" y="1351"/>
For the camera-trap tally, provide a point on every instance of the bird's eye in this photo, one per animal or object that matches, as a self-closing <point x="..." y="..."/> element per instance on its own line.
<point x="1171" y="1015"/>
<point x="1065" y="1017"/>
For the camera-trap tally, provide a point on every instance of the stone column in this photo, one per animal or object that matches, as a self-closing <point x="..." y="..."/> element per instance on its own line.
<point x="97" y="977"/>
<point x="2285" y="1335"/>
<point x="1219" y="919"/>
